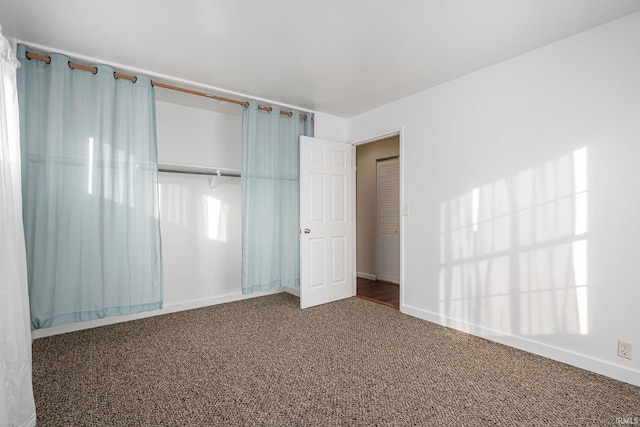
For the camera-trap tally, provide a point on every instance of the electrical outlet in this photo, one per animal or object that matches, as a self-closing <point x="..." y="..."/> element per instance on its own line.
<point x="625" y="349"/>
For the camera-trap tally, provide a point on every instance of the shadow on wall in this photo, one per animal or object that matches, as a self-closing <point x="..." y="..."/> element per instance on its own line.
<point x="513" y="253"/>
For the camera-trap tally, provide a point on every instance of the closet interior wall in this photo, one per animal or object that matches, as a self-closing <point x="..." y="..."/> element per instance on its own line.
<point x="200" y="223"/>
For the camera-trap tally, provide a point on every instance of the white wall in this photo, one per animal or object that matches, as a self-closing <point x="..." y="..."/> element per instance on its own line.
<point x="195" y="136"/>
<point x="330" y="127"/>
<point x="522" y="185"/>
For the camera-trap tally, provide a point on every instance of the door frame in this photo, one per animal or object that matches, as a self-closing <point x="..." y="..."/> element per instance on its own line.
<point x="403" y="204"/>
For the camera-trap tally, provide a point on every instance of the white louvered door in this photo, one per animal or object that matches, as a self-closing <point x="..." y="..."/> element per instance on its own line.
<point x="388" y="215"/>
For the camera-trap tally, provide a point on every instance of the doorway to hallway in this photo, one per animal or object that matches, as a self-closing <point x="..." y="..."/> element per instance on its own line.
<point x="378" y="221"/>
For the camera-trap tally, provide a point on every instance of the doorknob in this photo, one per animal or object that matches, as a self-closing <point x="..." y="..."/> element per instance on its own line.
<point x="307" y="231"/>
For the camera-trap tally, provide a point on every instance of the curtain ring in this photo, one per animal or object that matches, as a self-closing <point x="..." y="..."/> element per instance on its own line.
<point x="26" y="55"/>
<point x="133" y="80"/>
<point x="95" y="69"/>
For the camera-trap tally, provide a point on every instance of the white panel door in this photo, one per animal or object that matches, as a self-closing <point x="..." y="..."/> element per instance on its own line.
<point x="326" y="221"/>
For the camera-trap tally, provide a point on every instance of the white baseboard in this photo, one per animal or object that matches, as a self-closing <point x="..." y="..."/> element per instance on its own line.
<point x="389" y="279"/>
<point x="168" y="308"/>
<point x="293" y="290"/>
<point x="367" y="276"/>
<point x="602" y="367"/>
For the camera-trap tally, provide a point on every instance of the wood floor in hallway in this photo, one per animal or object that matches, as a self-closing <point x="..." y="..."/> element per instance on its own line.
<point x="381" y="292"/>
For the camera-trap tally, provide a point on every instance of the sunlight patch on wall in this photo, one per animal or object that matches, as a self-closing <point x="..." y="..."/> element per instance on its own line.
<point x="475" y="201"/>
<point x="216" y="218"/>
<point x="580" y="256"/>
<point x="513" y="252"/>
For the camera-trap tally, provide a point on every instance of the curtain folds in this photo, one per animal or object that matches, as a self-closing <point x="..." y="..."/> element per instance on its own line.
<point x="270" y="198"/>
<point x="17" y="406"/>
<point x="89" y="172"/>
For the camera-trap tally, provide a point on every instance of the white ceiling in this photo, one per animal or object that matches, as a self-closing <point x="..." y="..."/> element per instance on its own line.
<point x="341" y="57"/>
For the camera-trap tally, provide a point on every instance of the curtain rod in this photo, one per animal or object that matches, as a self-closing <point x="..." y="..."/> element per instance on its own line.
<point x="208" y="173"/>
<point x="133" y="79"/>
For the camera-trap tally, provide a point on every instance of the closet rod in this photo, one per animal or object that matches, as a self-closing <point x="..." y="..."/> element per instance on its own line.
<point x="133" y="79"/>
<point x="211" y="173"/>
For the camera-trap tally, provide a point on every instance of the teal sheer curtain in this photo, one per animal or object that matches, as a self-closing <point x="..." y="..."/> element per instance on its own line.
<point x="271" y="198"/>
<point x="89" y="180"/>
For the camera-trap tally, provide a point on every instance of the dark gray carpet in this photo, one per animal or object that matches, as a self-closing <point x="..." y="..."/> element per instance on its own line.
<point x="266" y="362"/>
